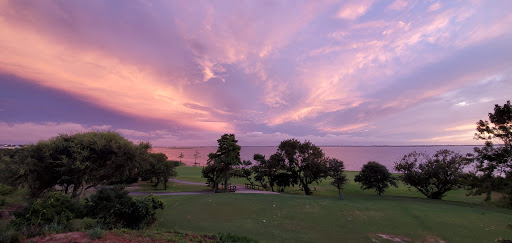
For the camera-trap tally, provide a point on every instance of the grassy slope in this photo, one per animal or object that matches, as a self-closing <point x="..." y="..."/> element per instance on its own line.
<point x="297" y="218"/>
<point x="323" y="217"/>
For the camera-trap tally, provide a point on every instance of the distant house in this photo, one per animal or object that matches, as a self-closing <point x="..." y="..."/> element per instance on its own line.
<point x="10" y="146"/>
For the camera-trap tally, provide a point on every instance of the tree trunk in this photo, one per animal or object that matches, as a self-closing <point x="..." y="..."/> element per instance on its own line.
<point x="82" y="191"/>
<point x="74" y="194"/>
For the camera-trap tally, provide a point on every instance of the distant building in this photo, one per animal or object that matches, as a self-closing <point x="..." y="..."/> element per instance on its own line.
<point x="10" y="146"/>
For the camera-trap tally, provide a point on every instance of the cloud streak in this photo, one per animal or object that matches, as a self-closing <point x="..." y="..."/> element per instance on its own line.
<point x="325" y="70"/>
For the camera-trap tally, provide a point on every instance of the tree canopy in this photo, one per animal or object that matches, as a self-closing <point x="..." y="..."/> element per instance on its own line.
<point x="75" y="162"/>
<point x="493" y="162"/>
<point x="435" y="175"/>
<point x="221" y="164"/>
<point x="304" y="162"/>
<point x="375" y="176"/>
<point x="335" y="169"/>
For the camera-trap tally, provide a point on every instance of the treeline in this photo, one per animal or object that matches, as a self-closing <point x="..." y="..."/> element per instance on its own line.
<point x="57" y="173"/>
<point x="74" y="163"/>
<point x="294" y="164"/>
<point x="302" y="163"/>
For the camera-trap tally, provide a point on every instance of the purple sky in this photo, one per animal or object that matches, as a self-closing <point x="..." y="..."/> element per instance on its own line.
<point x="182" y="73"/>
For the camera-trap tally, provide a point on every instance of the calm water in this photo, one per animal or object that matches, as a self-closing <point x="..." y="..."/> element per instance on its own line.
<point x="354" y="157"/>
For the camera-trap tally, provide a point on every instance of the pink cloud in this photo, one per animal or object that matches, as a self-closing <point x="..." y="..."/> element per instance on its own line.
<point x="397" y="5"/>
<point x="21" y="133"/>
<point x="354" y="9"/>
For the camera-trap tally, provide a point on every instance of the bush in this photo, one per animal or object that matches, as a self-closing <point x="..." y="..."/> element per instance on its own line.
<point x="114" y="208"/>
<point x="375" y="176"/>
<point x="10" y="236"/>
<point x="96" y="233"/>
<point x="55" y="208"/>
<point x="222" y="237"/>
<point x="82" y="224"/>
<point x="432" y="176"/>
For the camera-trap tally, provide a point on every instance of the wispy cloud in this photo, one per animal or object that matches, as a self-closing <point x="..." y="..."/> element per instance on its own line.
<point x="348" y="68"/>
<point x="354" y="9"/>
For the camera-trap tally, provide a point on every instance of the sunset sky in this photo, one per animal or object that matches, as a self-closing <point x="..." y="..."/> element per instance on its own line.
<point x="182" y="73"/>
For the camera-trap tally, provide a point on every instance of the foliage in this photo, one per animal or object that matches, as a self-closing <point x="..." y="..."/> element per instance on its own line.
<point x="55" y="208"/>
<point x="222" y="237"/>
<point x="114" y="208"/>
<point x="82" y="224"/>
<point x="96" y="233"/>
<point x="336" y="169"/>
<point x="244" y="171"/>
<point x="432" y="176"/>
<point x="5" y="190"/>
<point x="493" y="164"/>
<point x="75" y="162"/>
<point x="266" y="171"/>
<point x="375" y="176"/>
<point x="10" y="236"/>
<point x="157" y="168"/>
<point x="220" y="165"/>
<point x="304" y="162"/>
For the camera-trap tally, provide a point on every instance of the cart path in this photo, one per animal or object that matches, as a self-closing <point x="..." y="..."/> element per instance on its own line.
<point x="188" y="182"/>
<point x="239" y="189"/>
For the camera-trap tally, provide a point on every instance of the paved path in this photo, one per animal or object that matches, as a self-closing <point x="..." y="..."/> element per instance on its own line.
<point x="239" y="189"/>
<point x="168" y="193"/>
<point x="187" y="182"/>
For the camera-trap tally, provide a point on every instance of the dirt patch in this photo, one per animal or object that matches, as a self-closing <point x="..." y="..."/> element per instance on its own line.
<point x="388" y="238"/>
<point x="400" y="238"/>
<point x="81" y="237"/>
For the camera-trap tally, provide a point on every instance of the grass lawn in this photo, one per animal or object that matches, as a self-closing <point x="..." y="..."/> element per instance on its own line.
<point x="189" y="173"/>
<point x="323" y="217"/>
<point x="298" y="218"/>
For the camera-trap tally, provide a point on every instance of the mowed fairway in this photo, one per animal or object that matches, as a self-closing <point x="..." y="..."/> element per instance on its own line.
<point x="358" y="218"/>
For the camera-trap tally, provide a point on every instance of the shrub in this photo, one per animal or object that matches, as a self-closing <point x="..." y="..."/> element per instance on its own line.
<point x="55" y="208"/>
<point x="375" y="176"/>
<point x="222" y="237"/>
<point x="96" y="233"/>
<point x="10" y="236"/>
<point x="82" y="224"/>
<point x="432" y="176"/>
<point x="114" y="208"/>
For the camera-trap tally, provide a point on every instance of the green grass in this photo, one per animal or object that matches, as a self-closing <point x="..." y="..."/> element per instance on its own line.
<point x="351" y="189"/>
<point x="297" y="218"/>
<point x="323" y="217"/>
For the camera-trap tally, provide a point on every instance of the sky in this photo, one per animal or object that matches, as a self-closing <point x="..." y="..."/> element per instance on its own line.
<point x="182" y="73"/>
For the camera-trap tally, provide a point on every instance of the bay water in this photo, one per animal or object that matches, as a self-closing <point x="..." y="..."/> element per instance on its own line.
<point x="353" y="157"/>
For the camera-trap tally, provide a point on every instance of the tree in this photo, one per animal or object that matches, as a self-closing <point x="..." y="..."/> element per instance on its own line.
<point x="220" y="165"/>
<point x="196" y="156"/>
<point x="432" y="176"/>
<point x="304" y="162"/>
<point x="493" y="164"/>
<point x="336" y="169"/>
<point x="375" y="176"/>
<point x="266" y="171"/>
<point x="244" y="171"/>
<point x="181" y="156"/>
<point x="77" y="162"/>
<point x="158" y="168"/>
